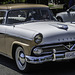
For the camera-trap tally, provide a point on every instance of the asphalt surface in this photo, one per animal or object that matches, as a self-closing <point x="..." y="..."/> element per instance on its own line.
<point x="8" y="67"/>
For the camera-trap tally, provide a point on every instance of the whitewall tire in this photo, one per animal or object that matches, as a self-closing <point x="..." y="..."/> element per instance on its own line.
<point x="20" y="59"/>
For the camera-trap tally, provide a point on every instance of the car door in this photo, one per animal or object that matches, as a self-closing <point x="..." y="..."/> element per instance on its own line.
<point x="2" y="39"/>
<point x="66" y="16"/>
<point x="72" y="13"/>
<point x="2" y="32"/>
<point x="72" y="16"/>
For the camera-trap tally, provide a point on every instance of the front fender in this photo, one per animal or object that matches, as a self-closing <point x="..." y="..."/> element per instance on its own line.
<point x="26" y="47"/>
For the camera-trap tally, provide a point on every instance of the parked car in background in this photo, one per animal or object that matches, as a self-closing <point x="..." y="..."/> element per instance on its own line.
<point x="29" y="33"/>
<point x="67" y="16"/>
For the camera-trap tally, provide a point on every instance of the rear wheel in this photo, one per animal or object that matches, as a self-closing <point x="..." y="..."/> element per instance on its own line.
<point x="59" y="19"/>
<point x="20" y="59"/>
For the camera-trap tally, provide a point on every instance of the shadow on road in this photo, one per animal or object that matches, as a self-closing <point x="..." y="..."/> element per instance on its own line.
<point x="52" y="68"/>
<point x="8" y="63"/>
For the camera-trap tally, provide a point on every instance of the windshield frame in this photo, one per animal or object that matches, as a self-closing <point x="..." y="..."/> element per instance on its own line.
<point x="46" y="8"/>
<point x="4" y="18"/>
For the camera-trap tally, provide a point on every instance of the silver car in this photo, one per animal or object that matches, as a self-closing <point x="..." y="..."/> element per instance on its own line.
<point x="67" y="16"/>
<point x="30" y="34"/>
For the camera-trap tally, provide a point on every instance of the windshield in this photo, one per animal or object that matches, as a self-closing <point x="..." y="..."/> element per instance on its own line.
<point x="29" y="15"/>
<point x="72" y="8"/>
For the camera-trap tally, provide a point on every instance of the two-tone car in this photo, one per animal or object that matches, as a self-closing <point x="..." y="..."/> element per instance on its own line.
<point x="30" y="34"/>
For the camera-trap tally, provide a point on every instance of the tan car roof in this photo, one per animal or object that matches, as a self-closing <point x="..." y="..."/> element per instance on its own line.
<point x="16" y="6"/>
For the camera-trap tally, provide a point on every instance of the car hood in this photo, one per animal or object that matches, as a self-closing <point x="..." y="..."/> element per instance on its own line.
<point x="53" y="32"/>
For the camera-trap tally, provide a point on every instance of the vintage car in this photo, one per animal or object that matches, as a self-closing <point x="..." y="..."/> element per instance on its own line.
<point x="67" y="16"/>
<point x="30" y="34"/>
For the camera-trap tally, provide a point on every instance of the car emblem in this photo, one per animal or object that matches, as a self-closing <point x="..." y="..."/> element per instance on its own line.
<point x="72" y="47"/>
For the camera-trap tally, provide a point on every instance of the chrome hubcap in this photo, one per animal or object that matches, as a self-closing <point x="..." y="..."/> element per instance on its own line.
<point x="21" y="58"/>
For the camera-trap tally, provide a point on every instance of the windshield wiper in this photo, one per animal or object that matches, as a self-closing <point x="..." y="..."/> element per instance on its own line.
<point x="32" y="21"/>
<point x="38" y="20"/>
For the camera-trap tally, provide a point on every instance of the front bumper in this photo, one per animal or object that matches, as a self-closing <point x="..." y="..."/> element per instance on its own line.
<point x="53" y="57"/>
<point x="54" y="53"/>
<point x="37" y="60"/>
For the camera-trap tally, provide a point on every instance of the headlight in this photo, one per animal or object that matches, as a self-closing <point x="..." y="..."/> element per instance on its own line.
<point x="37" y="51"/>
<point x="38" y="38"/>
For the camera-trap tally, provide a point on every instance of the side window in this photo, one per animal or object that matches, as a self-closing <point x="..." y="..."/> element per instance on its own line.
<point x="2" y="15"/>
<point x="72" y="8"/>
<point x="16" y="16"/>
<point x="45" y="14"/>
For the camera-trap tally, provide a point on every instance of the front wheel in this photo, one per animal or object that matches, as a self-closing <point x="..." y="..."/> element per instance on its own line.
<point x="20" y="59"/>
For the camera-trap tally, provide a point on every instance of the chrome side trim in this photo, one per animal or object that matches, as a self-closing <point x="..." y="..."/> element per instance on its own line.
<point x="17" y="42"/>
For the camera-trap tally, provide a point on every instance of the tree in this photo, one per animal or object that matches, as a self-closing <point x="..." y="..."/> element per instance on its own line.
<point x="66" y="1"/>
<point x="37" y="1"/>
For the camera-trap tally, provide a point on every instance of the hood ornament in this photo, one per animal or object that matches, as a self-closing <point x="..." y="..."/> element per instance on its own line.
<point x="62" y="26"/>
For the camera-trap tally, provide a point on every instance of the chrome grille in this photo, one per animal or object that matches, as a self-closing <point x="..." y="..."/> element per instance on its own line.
<point x="57" y="52"/>
<point x="58" y="48"/>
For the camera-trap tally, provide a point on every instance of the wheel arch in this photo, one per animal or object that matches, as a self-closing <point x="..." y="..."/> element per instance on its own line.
<point x="60" y="18"/>
<point x="17" y="44"/>
<point x="14" y="49"/>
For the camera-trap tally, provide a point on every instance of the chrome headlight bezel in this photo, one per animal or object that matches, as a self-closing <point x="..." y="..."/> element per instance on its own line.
<point x="37" y="51"/>
<point x="38" y="38"/>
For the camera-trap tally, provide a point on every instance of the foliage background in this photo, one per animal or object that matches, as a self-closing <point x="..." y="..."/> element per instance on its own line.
<point x="66" y="1"/>
<point x="13" y="1"/>
<point x="21" y="1"/>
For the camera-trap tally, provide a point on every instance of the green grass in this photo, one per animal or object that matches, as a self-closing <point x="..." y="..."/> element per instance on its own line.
<point x="54" y="7"/>
<point x="50" y="5"/>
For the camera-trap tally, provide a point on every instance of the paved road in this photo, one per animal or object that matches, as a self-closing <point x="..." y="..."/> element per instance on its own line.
<point x="8" y="67"/>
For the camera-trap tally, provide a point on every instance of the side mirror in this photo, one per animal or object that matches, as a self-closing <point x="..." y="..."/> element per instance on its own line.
<point x="68" y="11"/>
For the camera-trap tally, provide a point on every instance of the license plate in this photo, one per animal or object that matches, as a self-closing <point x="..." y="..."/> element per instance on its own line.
<point x="69" y="55"/>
